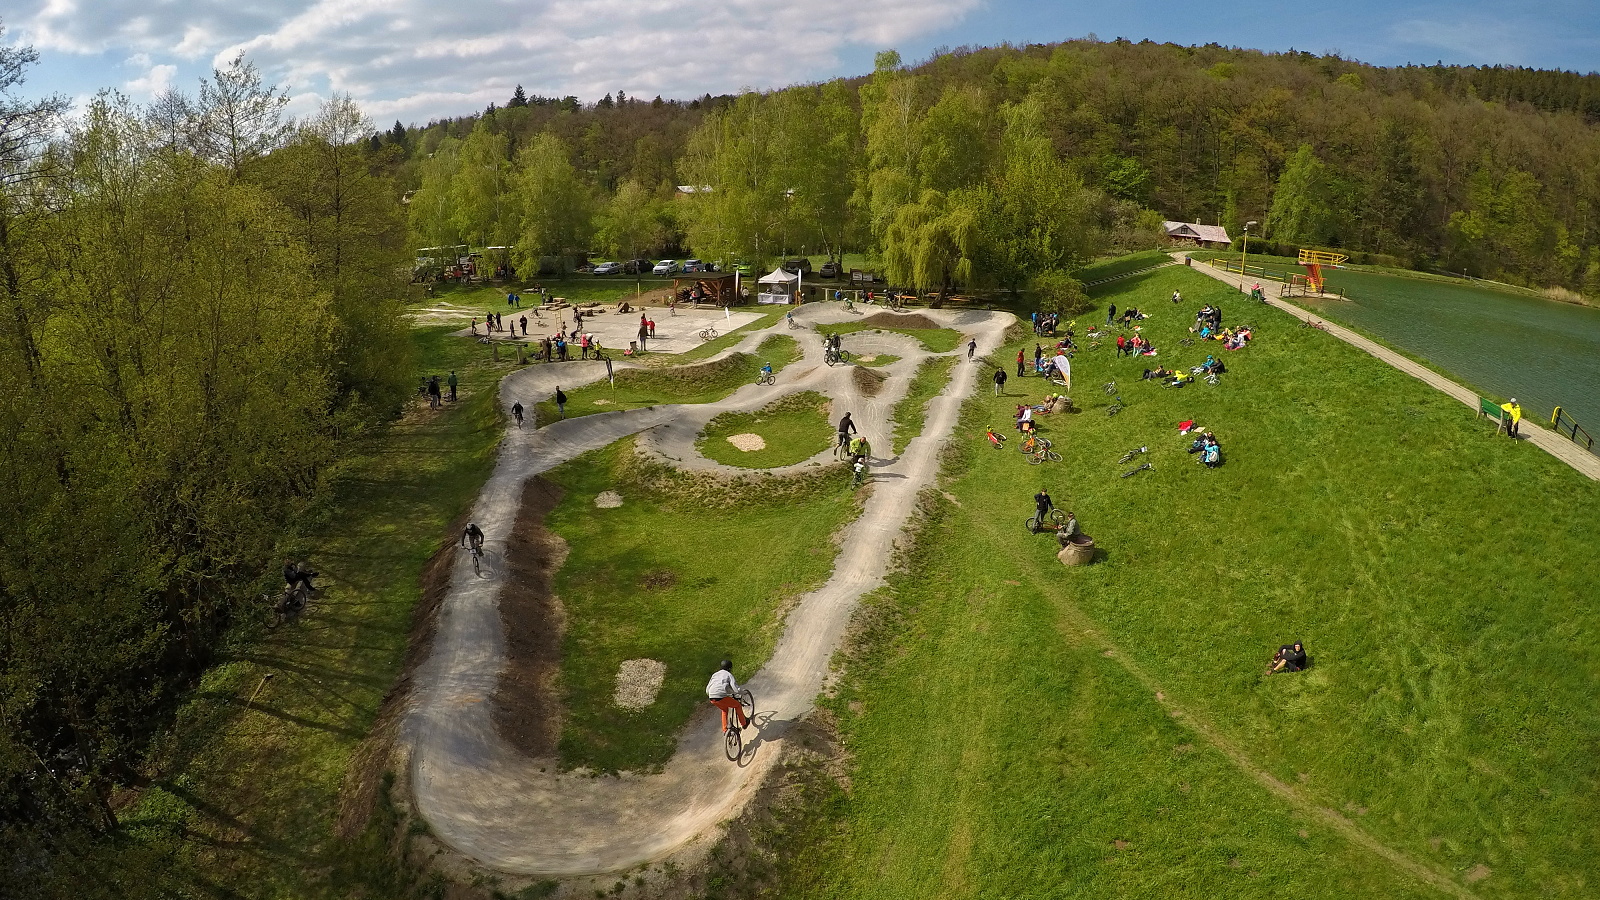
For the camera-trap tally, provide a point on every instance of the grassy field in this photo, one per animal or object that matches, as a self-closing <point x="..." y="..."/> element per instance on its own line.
<point x="1122" y="265"/>
<point x="700" y="383"/>
<point x="911" y="412"/>
<point x="795" y="429"/>
<point x="876" y="361"/>
<point x="1017" y="728"/>
<point x="934" y="340"/>
<point x="669" y="576"/>
<point x="247" y="782"/>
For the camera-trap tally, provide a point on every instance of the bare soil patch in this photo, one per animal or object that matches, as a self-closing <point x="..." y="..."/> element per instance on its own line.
<point x="527" y="711"/>
<point x="608" y="500"/>
<point x="638" y="682"/>
<point x="899" y="320"/>
<point x="868" y="381"/>
<point x="748" y="442"/>
<point x="1477" y="873"/>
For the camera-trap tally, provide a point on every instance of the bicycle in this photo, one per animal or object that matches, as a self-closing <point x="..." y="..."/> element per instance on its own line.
<point x="1043" y="454"/>
<point x="858" y="474"/>
<point x="1057" y="519"/>
<point x="290" y="604"/>
<point x="477" y="559"/>
<point x="1187" y="342"/>
<point x="1033" y="443"/>
<point x="732" y="736"/>
<point x="792" y="322"/>
<point x="849" y="305"/>
<point x="1109" y="387"/>
<point x="1128" y="457"/>
<point x="1309" y="323"/>
<point x="1213" y="378"/>
<point x="1116" y="407"/>
<point x="1094" y="345"/>
<point x="835" y="357"/>
<point x="765" y="378"/>
<point x="996" y="439"/>
<point x="708" y="333"/>
<point x="1138" y="470"/>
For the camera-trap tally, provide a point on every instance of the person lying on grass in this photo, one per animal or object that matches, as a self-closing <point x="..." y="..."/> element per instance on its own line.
<point x="1160" y="373"/>
<point x="1289" y="658"/>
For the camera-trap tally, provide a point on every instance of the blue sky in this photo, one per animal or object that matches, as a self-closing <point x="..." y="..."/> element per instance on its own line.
<point x="420" y="59"/>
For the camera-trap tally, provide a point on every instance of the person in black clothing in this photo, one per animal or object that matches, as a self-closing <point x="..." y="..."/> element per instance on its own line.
<point x="1042" y="504"/>
<point x="999" y="381"/>
<point x="1289" y="658"/>
<point x="972" y="347"/>
<point x="561" y="402"/>
<point x="516" y="410"/>
<point x="846" y="426"/>
<point x="433" y="392"/>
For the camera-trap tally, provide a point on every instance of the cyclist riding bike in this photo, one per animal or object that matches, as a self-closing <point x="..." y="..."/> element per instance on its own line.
<point x="516" y="410"/>
<point x="723" y="691"/>
<point x="766" y="368"/>
<point x="473" y="535"/>
<point x="845" y="428"/>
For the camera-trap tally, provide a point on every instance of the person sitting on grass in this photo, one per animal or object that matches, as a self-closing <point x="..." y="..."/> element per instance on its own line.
<point x="1289" y="658"/>
<point x="1211" y="456"/>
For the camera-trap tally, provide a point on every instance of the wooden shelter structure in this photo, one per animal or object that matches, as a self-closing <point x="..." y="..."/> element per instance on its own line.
<point x="713" y="287"/>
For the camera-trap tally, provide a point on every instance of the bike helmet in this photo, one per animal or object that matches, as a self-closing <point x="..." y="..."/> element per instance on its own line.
<point x="727" y="665"/>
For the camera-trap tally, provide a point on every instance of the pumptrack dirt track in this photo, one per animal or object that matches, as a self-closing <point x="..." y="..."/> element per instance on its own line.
<point x="518" y="814"/>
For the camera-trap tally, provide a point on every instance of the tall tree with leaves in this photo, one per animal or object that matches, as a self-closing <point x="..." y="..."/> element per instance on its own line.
<point x="555" y="206"/>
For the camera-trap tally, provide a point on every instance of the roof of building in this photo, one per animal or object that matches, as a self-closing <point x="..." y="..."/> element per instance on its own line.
<point x="1198" y="232"/>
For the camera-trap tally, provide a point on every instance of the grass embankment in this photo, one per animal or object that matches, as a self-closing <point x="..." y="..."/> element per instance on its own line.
<point x="794" y="428"/>
<point x="669" y="576"/>
<point x="1122" y="265"/>
<point x="911" y="413"/>
<point x="1107" y="731"/>
<point x="578" y="289"/>
<point x="247" y="784"/>
<point x="698" y="383"/>
<point x="934" y="340"/>
<point x="876" y="360"/>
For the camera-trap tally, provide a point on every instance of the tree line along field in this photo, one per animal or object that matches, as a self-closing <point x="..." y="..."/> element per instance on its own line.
<point x="993" y="166"/>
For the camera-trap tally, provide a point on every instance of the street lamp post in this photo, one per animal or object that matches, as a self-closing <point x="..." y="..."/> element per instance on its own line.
<point x="1245" y="250"/>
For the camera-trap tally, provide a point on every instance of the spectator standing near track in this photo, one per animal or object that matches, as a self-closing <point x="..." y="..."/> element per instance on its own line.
<point x="452" y="381"/>
<point x="561" y="402"/>
<point x="644" y="332"/>
<point x="1022" y="361"/>
<point x="1513" y="417"/>
<point x="1111" y="314"/>
<point x="433" y="392"/>
<point x="999" y="381"/>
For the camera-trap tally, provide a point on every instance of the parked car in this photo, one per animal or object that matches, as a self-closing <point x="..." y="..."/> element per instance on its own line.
<point x="637" y="267"/>
<point x="694" y="265"/>
<point x="608" y="268"/>
<point x="797" y="266"/>
<point x="666" y="267"/>
<point x="830" y="269"/>
<point x="584" y="269"/>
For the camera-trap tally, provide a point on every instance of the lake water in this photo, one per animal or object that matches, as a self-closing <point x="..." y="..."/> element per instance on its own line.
<point x="1542" y="352"/>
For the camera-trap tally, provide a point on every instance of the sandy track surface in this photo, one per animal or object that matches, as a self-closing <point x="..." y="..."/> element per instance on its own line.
<point x="517" y="814"/>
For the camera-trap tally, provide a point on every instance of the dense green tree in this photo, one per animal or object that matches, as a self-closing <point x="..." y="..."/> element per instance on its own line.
<point x="1302" y="206"/>
<point x="554" y="204"/>
<point x="482" y="208"/>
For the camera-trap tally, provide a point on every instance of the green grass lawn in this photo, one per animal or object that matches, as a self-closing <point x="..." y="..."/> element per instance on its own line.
<point x="911" y="412"/>
<point x="795" y="429"/>
<point x="248" y="779"/>
<point x="697" y="383"/>
<point x="1122" y="265"/>
<point x="578" y="288"/>
<point x="689" y="570"/>
<point x="934" y="340"/>
<point x="1010" y="720"/>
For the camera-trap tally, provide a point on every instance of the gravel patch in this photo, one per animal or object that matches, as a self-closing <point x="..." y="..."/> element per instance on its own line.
<point x="638" y="682"/>
<point x="747" y="442"/>
<point x="608" y="500"/>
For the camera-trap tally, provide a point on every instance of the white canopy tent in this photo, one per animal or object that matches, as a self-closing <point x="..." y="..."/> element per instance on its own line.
<point x="776" y="287"/>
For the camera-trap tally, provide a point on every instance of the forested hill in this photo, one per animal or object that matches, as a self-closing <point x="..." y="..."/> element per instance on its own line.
<point x="1491" y="170"/>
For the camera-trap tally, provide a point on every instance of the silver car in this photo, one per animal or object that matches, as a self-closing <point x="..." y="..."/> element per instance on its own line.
<point x="666" y="267"/>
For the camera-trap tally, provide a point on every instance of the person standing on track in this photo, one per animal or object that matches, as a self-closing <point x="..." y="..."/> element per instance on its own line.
<point x="724" y="694"/>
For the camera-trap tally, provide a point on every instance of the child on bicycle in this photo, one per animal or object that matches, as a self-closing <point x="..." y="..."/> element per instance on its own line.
<point x="766" y="369"/>
<point x="724" y="694"/>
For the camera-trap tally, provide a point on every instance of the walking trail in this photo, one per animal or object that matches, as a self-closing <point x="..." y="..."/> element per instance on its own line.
<point x="520" y="815"/>
<point x="1543" y="438"/>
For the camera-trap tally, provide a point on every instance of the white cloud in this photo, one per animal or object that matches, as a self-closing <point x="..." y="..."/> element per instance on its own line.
<point x="416" y="59"/>
<point x="151" y="83"/>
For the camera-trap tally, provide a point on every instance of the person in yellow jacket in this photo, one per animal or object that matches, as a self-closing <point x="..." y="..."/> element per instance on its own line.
<point x="1513" y="416"/>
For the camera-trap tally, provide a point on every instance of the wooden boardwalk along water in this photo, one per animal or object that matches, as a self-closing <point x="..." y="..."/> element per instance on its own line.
<point x="1543" y="438"/>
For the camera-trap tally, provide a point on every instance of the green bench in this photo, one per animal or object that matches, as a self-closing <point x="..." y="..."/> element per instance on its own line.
<point x="1492" y="409"/>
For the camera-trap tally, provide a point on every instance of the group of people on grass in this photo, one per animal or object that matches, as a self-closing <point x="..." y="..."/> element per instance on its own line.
<point x="1209" y="449"/>
<point x="1046" y="323"/>
<point x="1138" y="345"/>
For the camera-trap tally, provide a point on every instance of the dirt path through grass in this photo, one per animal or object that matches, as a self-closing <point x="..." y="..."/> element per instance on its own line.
<point x="520" y="815"/>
